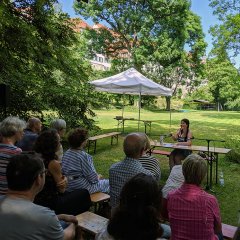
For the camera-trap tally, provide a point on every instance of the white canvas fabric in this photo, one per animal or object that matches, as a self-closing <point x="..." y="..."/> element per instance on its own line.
<point x="131" y="82"/>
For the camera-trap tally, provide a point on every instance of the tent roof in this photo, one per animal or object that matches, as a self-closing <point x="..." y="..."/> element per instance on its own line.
<point x="131" y="82"/>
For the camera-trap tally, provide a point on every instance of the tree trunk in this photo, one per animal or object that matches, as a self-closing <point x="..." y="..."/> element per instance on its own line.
<point x="168" y="103"/>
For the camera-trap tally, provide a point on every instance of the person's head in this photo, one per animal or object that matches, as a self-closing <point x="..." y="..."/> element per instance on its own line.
<point x="59" y="125"/>
<point x="77" y="138"/>
<point x="34" y="124"/>
<point x="178" y="156"/>
<point x="23" y="170"/>
<point x="194" y="169"/>
<point x="185" y="123"/>
<point x="133" y="145"/>
<point x="146" y="140"/>
<point x="139" y="192"/>
<point x="137" y="214"/>
<point x="47" y="144"/>
<point x="12" y="127"/>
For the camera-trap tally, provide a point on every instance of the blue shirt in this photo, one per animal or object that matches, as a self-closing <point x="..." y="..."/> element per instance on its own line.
<point x="121" y="172"/>
<point x="78" y="166"/>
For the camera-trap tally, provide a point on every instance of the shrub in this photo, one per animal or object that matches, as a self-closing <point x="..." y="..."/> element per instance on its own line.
<point x="234" y="154"/>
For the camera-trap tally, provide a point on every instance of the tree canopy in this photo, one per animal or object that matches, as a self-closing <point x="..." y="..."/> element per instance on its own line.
<point x="226" y="33"/>
<point x="42" y="60"/>
<point x="153" y="33"/>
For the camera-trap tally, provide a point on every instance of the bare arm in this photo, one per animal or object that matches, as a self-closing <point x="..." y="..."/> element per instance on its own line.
<point x="54" y="168"/>
<point x="69" y="232"/>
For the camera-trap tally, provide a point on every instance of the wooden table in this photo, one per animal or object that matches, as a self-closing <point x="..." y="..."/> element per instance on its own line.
<point x="121" y="121"/>
<point x="213" y="155"/>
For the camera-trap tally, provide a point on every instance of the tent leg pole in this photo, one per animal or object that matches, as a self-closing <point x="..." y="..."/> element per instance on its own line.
<point x="139" y="109"/>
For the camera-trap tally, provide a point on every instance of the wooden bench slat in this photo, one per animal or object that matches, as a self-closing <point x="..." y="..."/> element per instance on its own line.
<point x="161" y="152"/>
<point x="99" y="197"/>
<point x="104" y="136"/>
<point x="91" y="222"/>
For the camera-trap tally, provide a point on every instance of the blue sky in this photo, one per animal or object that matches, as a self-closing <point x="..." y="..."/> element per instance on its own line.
<point x="200" y="7"/>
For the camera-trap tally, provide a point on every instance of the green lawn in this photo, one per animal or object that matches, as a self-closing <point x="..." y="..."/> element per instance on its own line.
<point x="204" y="124"/>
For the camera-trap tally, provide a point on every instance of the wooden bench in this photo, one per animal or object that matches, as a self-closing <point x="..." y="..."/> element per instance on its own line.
<point x="228" y="231"/>
<point x="98" y="198"/>
<point x="93" y="140"/>
<point x="161" y="152"/>
<point x="91" y="222"/>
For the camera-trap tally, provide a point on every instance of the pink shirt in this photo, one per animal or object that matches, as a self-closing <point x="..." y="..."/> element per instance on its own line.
<point x="192" y="213"/>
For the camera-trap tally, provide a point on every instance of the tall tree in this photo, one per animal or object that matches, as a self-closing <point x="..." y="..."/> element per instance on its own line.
<point x="41" y="61"/>
<point x="224" y="82"/>
<point x="154" y="33"/>
<point x="226" y="34"/>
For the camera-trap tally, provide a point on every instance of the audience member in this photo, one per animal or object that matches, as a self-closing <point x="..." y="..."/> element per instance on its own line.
<point x="149" y="162"/>
<point x="20" y="218"/>
<point x="176" y="178"/>
<point x="11" y="130"/>
<point x="53" y="194"/>
<point x="120" y="172"/>
<point x="60" y="126"/>
<point x="193" y="213"/>
<point x="34" y="126"/>
<point x="183" y="137"/>
<point x="78" y="165"/>
<point x="137" y="215"/>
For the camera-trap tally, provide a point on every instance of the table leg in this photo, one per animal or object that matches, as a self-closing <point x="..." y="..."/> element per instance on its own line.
<point x="211" y="168"/>
<point x="216" y="167"/>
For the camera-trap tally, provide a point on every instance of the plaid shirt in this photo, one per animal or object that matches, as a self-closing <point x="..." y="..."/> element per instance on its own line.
<point x="192" y="213"/>
<point x="119" y="173"/>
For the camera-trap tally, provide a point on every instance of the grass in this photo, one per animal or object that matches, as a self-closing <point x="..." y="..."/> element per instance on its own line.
<point x="204" y="124"/>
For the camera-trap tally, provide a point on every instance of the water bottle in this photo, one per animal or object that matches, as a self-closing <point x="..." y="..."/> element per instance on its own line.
<point x="221" y="179"/>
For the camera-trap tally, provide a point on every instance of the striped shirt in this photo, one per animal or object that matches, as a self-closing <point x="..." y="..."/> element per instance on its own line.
<point x="78" y="166"/>
<point x="152" y="164"/>
<point x="121" y="172"/>
<point x="6" y="152"/>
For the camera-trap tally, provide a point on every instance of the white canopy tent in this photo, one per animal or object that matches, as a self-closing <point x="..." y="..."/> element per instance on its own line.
<point x="131" y="82"/>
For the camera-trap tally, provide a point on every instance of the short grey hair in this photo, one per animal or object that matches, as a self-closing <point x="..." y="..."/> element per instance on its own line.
<point x="11" y="125"/>
<point x="194" y="169"/>
<point x="58" y="124"/>
<point x="146" y="140"/>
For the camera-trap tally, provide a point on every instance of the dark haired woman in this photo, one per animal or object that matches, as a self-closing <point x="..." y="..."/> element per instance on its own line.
<point x="183" y="137"/>
<point x="137" y="215"/>
<point x="78" y="165"/>
<point x="53" y="194"/>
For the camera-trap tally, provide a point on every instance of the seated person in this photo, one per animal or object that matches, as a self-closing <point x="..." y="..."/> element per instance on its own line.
<point x="149" y="162"/>
<point x="137" y="215"/>
<point x="34" y="126"/>
<point x="54" y="194"/>
<point x="183" y="137"/>
<point x="11" y="131"/>
<point x="121" y="172"/>
<point x="60" y="126"/>
<point x="192" y="212"/>
<point x="78" y="165"/>
<point x="19" y="217"/>
<point x="176" y="178"/>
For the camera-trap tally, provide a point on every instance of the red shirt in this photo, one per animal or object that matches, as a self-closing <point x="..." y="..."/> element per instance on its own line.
<point x="192" y="213"/>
